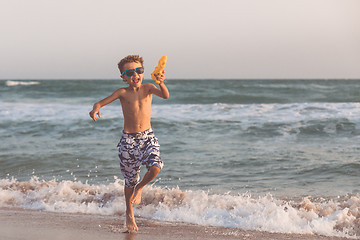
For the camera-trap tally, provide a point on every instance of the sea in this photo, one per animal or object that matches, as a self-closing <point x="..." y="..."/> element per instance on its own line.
<point x="270" y="155"/>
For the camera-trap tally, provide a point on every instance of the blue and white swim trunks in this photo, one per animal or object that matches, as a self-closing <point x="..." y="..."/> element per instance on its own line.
<point x="136" y="149"/>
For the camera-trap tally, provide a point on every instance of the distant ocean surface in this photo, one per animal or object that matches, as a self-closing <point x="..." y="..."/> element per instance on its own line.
<point x="270" y="155"/>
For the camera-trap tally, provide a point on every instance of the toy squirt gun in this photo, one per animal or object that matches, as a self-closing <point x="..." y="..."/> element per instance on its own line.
<point x="159" y="68"/>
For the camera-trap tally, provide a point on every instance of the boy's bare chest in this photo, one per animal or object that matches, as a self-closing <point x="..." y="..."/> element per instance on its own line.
<point x="136" y="101"/>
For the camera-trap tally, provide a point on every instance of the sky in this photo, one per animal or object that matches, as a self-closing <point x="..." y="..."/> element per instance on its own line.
<point x="238" y="39"/>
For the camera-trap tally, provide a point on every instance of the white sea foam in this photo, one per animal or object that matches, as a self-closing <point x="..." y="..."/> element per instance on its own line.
<point x="245" y="113"/>
<point x="44" y="112"/>
<point x="332" y="217"/>
<point x="11" y="83"/>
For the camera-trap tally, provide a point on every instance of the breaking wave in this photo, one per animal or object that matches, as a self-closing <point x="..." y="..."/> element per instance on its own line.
<point x="339" y="216"/>
<point x="11" y="83"/>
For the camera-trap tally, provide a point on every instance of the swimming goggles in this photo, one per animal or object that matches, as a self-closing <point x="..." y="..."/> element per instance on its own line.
<point x="130" y="72"/>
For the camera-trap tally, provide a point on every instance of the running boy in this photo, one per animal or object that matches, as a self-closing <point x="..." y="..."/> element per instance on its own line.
<point x="138" y="143"/>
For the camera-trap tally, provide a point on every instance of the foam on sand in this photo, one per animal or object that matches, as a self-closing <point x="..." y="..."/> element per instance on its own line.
<point x="330" y="217"/>
<point x="40" y="225"/>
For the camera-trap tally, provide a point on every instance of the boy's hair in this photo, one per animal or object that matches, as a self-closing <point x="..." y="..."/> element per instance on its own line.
<point x="130" y="58"/>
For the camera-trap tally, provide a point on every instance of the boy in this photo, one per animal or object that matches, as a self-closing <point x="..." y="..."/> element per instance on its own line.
<point x="138" y="143"/>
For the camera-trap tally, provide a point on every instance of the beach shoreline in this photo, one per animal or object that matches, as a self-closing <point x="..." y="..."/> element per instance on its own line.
<point x="23" y="224"/>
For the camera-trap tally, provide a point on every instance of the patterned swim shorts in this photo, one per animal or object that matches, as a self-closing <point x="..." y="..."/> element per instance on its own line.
<point x="136" y="149"/>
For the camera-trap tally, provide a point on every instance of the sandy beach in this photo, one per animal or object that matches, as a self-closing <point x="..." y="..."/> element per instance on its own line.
<point x="20" y="224"/>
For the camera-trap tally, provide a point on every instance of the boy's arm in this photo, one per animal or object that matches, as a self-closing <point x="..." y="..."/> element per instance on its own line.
<point x="163" y="92"/>
<point x="96" y="108"/>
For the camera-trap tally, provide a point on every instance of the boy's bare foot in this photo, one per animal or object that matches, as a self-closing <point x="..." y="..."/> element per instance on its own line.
<point x="131" y="224"/>
<point x="136" y="199"/>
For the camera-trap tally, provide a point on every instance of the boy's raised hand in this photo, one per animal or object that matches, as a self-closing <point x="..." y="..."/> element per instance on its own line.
<point x="160" y="77"/>
<point x="93" y="114"/>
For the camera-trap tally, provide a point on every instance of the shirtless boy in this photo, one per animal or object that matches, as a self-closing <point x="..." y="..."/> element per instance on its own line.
<point x="138" y="143"/>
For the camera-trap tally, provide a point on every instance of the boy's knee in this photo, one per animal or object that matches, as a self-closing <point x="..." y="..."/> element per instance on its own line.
<point x="155" y="169"/>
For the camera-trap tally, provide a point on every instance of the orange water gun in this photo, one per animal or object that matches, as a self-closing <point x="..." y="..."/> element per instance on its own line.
<point x="159" y="68"/>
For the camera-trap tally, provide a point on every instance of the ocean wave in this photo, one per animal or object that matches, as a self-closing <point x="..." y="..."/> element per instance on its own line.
<point x="338" y="216"/>
<point x="282" y="113"/>
<point x="265" y="120"/>
<point x="11" y="83"/>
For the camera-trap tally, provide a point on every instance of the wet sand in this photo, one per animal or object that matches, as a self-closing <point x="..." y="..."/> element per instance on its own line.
<point x="19" y="224"/>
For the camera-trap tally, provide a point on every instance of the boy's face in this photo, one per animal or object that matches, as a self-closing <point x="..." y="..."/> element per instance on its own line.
<point x="136" y="79"/>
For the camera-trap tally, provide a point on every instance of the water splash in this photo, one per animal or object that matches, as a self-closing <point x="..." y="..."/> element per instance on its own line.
<point x="338" y="216"/>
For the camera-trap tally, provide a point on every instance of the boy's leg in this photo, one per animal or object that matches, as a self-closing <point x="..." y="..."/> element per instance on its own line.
<point x="130" y="219"/>
<point x="148" y="177"/>
<point x="130" y="169"/>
